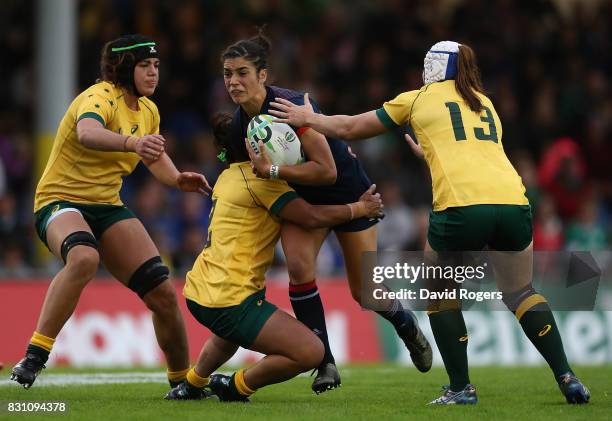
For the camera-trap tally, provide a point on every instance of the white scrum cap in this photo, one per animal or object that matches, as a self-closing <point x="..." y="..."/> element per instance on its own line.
<point x="441" y="62"/>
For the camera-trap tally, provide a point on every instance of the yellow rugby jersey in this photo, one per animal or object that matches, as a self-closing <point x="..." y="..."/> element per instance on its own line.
<point x="78" y="174"/>
<point x="243" y="230"/>
<point x="463" y="149"/>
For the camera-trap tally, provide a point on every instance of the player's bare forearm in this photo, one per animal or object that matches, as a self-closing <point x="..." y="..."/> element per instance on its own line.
<point x="164" y="170"/>
<point x="304" y="214"/>
<point x="310" y="173"/>
<point x="322" y="216"/>
<point x="305" y="116"/>
<point x="334" y="126"/>
<point x="347" y="127"/>
<point x="329" y="215"/>
<point x="309" y="216"/>
<point x="320" y="169"/>
<point x="92" y="134"/>
<point x="101" y="139"/>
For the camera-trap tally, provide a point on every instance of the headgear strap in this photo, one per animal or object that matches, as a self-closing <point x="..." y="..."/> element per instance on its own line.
<point x="441" y="62"/>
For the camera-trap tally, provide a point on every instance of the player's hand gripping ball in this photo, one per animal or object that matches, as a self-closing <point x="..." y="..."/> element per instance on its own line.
<point x="282" y="144"/>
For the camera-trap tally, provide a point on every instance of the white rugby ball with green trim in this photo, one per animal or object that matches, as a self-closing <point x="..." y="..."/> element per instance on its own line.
<point x="282" y="144"/>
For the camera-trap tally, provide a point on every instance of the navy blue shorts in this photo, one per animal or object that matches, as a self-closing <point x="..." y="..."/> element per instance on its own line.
<point x="351" y="183"/>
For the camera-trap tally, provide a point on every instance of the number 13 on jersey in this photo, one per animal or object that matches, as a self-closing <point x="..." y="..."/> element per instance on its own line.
<point x="479" y="132"/>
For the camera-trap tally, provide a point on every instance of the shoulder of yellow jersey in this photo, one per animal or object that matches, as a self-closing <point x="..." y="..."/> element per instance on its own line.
<point x="149" y="104"/>
<point x="104" y="89"/>
<point x="398" y="110"/>
<point x="408" y="97"/>
<point x="150" y="107"/>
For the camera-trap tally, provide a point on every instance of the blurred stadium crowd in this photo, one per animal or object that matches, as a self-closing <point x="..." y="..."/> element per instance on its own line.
<point x="546" y="68"/>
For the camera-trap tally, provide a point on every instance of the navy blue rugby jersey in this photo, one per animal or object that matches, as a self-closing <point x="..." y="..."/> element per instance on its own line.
<point x="351" y="180"/>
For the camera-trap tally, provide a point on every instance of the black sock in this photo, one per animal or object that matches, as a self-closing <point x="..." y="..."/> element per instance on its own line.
<point x="397" y="316"/>
<point x="449" y="330"/>
<point x="538" y="323"/>
<point x="40" y="352"/>
<point x="308" y="309"/>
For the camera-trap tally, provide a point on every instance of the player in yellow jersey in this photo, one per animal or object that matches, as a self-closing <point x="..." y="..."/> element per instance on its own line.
<point x="225" y="290"/>
<point x="478" y="200"/>
<point x="107" y="130"/>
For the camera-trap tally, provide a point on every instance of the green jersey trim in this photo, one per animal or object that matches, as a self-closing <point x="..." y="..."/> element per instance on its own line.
<point x="385" y="119"/>
<point x="92" y="115"/>
<point x="282" y="201"/>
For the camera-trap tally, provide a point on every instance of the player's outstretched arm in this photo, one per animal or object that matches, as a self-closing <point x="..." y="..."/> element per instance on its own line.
<point x="304" y="214"/>
<point x="92" y="134"/>
<point x="347" y="127"/>
<point x="164" y="170"/>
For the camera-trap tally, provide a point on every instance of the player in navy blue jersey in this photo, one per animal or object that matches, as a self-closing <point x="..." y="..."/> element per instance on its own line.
<point x="331" y="175"/>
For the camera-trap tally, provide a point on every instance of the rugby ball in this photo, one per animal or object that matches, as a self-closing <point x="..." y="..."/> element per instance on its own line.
<point x="282" y="144"/>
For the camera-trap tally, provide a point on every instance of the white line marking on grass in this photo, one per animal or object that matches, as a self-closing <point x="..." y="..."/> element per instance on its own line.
<point x="76" y="379"/>
<point x="94" y="378"/>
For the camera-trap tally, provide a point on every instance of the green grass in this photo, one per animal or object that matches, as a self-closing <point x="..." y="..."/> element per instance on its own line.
<point x="369" y="392"/>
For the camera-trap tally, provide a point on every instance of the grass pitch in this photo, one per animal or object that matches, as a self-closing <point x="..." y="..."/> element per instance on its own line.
<point x="368" y="392"/>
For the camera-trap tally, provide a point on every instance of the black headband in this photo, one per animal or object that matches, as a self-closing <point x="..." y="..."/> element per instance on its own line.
<point x="142" y="50"/>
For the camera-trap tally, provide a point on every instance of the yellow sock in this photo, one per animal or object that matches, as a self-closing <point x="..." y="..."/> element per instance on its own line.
<point x="241" y="386"/>
<point x="42" y="341"/>
<point x="177" y="376"/>
<point x="196" y="380"/>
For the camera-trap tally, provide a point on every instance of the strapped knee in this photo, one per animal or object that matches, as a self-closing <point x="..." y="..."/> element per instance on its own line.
<point x="437" y="305"/>
<point x="523" y="300"/>
<point x="77" y="238"/>
<point x="148" y="276"/>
